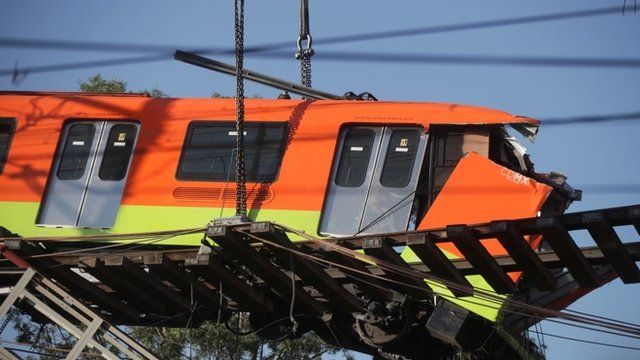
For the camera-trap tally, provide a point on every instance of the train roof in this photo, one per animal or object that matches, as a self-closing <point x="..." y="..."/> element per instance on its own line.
<point x="428" y="113"/>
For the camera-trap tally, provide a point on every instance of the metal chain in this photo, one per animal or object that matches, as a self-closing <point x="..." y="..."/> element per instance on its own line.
<point x="241" y="187"/>
<point x="305" y="71"/>
<point x="304" y="55"/>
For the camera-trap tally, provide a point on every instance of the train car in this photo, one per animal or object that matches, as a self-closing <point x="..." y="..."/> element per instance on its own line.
<point x="91" y="164"/>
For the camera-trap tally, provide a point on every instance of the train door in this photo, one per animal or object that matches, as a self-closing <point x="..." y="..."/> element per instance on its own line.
<point x="89" y="174"/>
<point x="373" y="180"/>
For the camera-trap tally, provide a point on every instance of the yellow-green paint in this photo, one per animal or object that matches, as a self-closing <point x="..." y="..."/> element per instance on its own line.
<point x="489" y="309"/>
<point x="20" y="218"/>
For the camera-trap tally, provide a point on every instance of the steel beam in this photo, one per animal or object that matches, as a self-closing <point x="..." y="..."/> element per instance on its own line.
<point x="126" y="287"/>
<point x="148" y="283"/>
<point x="211" y="269"/>
<point x="311" y="273"/>
<point x="554" y="233"/>
<point x="469" y="245"/>
<point x="183" y="280"/>
<point x="47" y="298"/>
<point x="239" y="247"/>
<point x="520" y="250"/>
<point x="78" y="285"/>
<point x="608" y="241"/>
<point x="438" y="263"/>
<point x="378" y="247"/>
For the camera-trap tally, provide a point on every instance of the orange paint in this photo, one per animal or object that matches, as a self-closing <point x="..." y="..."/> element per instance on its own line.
<point x="479" y="191"/>
<point x="301" y="184"/>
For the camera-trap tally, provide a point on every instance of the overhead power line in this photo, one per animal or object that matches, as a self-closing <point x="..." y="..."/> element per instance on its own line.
<point x="456" y="59"/>
<point x="590" y="119"/>
<point x="164" y="52"/>
<point x="361" y="57"/>
<point x="590" y="342"/>
<point x="369" y="36"/>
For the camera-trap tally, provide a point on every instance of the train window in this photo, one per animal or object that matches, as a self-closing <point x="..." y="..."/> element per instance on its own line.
<point x="209" y="151"/>
<point x="75" y="153"/>
<point x="7" y="127"/>
<point x="117" y="152"/>
<point x="354" y="157"/>
<point x="401" y="154"/>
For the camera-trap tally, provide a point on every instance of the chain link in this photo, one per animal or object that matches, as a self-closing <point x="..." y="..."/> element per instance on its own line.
<point x="304" y="54"/>
<point x="305" y="70"/>
<point x="241" y="187"/>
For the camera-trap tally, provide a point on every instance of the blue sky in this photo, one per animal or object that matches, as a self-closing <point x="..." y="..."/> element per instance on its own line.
<point x="600" y="158"/>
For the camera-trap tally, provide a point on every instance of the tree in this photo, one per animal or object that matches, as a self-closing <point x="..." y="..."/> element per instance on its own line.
<point x="98" y="84"/>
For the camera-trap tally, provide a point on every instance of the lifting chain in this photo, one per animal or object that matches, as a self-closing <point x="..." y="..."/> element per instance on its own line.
<point x="304" y="54"/>
<point x="241" y="187"/>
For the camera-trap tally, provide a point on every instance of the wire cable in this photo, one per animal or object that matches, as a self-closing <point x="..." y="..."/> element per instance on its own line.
<point x="635" y="329"/>
<point x="469" y="301"/>
<point x="369" y="36"/>
<point x="588" y="341"/>
<point x="166" y="53"/>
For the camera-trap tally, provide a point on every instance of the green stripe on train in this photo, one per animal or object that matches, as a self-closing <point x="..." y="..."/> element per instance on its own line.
<point x="487" y="307"/>
<point x="20" y="217"/>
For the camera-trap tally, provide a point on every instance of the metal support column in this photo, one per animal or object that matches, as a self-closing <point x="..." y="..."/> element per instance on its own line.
<point x="62" y="309"/>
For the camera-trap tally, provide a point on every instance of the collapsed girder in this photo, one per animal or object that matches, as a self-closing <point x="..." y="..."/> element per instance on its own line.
<point x="379" y="305"/>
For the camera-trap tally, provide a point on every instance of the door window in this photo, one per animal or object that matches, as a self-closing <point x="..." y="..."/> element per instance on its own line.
<point x="118" y="152"/>
<point x="7" y="127"/>
<point x="399" y="160"/>
<point x="89" y="174"/>
<point x="75" y="154"/>
<point x="354" y="157"/>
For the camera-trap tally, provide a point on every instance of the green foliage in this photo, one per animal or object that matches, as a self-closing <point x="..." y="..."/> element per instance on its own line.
<point x="154" y="93"/>
<point x="97" y="84"/>
<point x="45" y="340"/>
<point x="217" y="95"/>
<point x="212" y="341"/>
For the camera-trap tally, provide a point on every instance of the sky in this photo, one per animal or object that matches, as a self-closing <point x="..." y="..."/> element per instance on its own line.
<point x="598" y="158"/>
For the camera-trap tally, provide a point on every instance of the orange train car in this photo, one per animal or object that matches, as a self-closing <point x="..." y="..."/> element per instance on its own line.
<point x="84" y="163"/>
<point x="76" y="164"/>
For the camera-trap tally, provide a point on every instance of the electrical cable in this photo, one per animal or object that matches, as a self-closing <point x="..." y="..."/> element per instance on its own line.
<point x="125" y="236"/>
<point x="536" y="310"/>
<point x="379" y="35"/>
<point x="371" y="57"/>
<point x="377" y="261"/>
<point x="137" y="243"/>
<point x="168" y="51"/>
<point x="460" y="299"/>
<point x="372" y="274"/>
<point x="491" y="298"/>
<point x="589" y="341"/>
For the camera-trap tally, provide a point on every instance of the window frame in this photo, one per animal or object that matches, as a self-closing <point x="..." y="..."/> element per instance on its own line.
<point x="344" y="151"/>
<point x="413" y="151"/>
<point x="181" y="175"/>
<point x="12" y="130"/>
<point x="106" y="174"/>
<point x="63" y="150"/>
